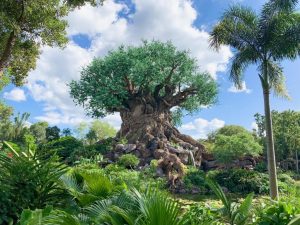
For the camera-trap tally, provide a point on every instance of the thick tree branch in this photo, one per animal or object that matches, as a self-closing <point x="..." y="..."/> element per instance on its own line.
<point x="166" y="81"/>
<point x="182" y="96"/>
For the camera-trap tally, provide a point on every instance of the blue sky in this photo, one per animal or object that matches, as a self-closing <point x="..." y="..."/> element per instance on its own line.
<point x="94" y="31"/>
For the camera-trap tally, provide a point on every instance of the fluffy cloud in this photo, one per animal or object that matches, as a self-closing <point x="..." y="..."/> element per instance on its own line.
<point x="160" y="20"/>
<point x="243" y="89"/>
<point x="15" y="94"/>
<point x="199" y="128"/>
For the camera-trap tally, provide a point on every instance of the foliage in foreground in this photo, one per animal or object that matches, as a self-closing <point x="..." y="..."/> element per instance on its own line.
<point x="28" y="182"/>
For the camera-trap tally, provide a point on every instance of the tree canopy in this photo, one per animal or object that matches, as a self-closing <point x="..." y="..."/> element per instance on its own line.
<point x="25" y="26"/>
<point x="156" y="73"/>
<point x="286" y="127"/>
<point x="232" y="142"/>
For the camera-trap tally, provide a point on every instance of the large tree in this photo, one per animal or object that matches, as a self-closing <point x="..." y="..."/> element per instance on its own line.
<point x="263" y="40"/>
<point x="25" y="26"/>
<point x="143" y="84"/>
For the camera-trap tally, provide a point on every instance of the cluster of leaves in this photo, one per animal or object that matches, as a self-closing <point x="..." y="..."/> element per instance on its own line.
<point x="243" y="181"/>
<point x="27" y="181"/>
<point x="286" y="130"/>
<point x="156" y="71"/>
<point x="195" y="178"/>
<point x="233" y="142"/>
<point x="25" y="26"/>
<point x="128" y="161"/>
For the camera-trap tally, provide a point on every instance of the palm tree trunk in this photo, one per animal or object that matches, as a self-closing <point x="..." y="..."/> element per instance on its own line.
<point x="270" y="146"/>
<point x="297" y="162"/>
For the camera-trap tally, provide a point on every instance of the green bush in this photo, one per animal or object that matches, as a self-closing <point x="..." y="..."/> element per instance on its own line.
<point x="194" y="178"/>
<point x="28" y="183"/>
<point x="229" y="148"/>
<point x="243" y="181"/>
<point x="277" y="214"/>
<point x="104" y="146"/>
<point x="63" y="147"/>
<point x="128" y="161"/>
<point x="197" y="214"/>
<point x="84" y="152"/>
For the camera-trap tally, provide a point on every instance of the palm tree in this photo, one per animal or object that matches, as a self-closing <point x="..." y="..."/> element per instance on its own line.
<point x="263" y="40"/>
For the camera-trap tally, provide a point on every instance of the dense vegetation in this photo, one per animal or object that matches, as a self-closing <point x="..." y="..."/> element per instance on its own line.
<point x="78" y="176"/>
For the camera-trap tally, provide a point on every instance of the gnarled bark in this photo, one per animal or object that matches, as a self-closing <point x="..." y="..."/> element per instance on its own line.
<point x="149" y="126"/>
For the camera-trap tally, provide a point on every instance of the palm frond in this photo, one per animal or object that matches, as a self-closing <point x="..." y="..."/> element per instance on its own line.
<point x="239" y="63"/>
<point x="238" y="28"/>
<point x="284" y="36"/>
<point x="276" y="79"/>
<point x="59" y="217"/>
<point x="295" y="221"/>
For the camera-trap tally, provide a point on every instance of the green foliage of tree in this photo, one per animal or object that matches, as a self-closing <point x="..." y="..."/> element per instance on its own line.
<point x="38" y="130"/>
<point x="100" y="130"/>
<point x="286" y="129"/>
<point x="233" y="142"/>
<point x="63" y="146"/>
<point x="52" y="133"/>
<point x="66" y="132"/>
<point x="25" y="26"/>
<point x="81" y="130"/>
<point x="263" y="40"/>
<point x="5" y="113"/>
<point x="230" y="130"/>
<point x="154" y="70"/>
<point x="229" y="148"/>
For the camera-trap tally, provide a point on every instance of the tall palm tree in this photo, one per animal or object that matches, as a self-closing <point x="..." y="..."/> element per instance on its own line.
<point x="262" y="39"/>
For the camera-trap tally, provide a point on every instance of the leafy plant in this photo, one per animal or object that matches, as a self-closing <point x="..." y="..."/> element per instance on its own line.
<point x="229" y="148"/>
<point x="278" y="213"/>
<point x="242" y="181"/>
<point x="237" y="214"/>
<point x="128" y="161"/>
<point x="194" y="178"/>
<point x="29" y="217"/>
<point x="88" y="186"/>
<point x="28" y="181"/>
<point x="200" y="214"/>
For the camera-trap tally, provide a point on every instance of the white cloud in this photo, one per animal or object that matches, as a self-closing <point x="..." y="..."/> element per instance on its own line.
<point x="160" y="20"/>
<point x="243" y="89"/>
<point x="199" y="128"/>
<point x="15" y="94"/>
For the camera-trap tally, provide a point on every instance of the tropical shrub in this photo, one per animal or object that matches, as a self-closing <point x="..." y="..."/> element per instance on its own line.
<point x="104" y="146"/>
<point x="128" y="161"/>
<point x="229" y="148"/>
<point x="277" y="213"/>
<point x="200" y="214"/>
<point x="236" y="214"/>
<point x="28" y="182"/>
<point x="195" y="178"/>
<point x="88" y="186"/>
<point x="243" y="181"/>
<point x="88" y="153"/>
<point x="63" y="147"/>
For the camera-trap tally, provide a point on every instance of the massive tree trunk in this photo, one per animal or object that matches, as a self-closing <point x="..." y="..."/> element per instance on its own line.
<point x="149" y="127"/>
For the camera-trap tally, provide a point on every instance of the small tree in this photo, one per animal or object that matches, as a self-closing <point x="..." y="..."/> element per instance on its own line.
<point x="233" y="142"/>
<point x="52" y="133"/>
<point x="143" y="84"/>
